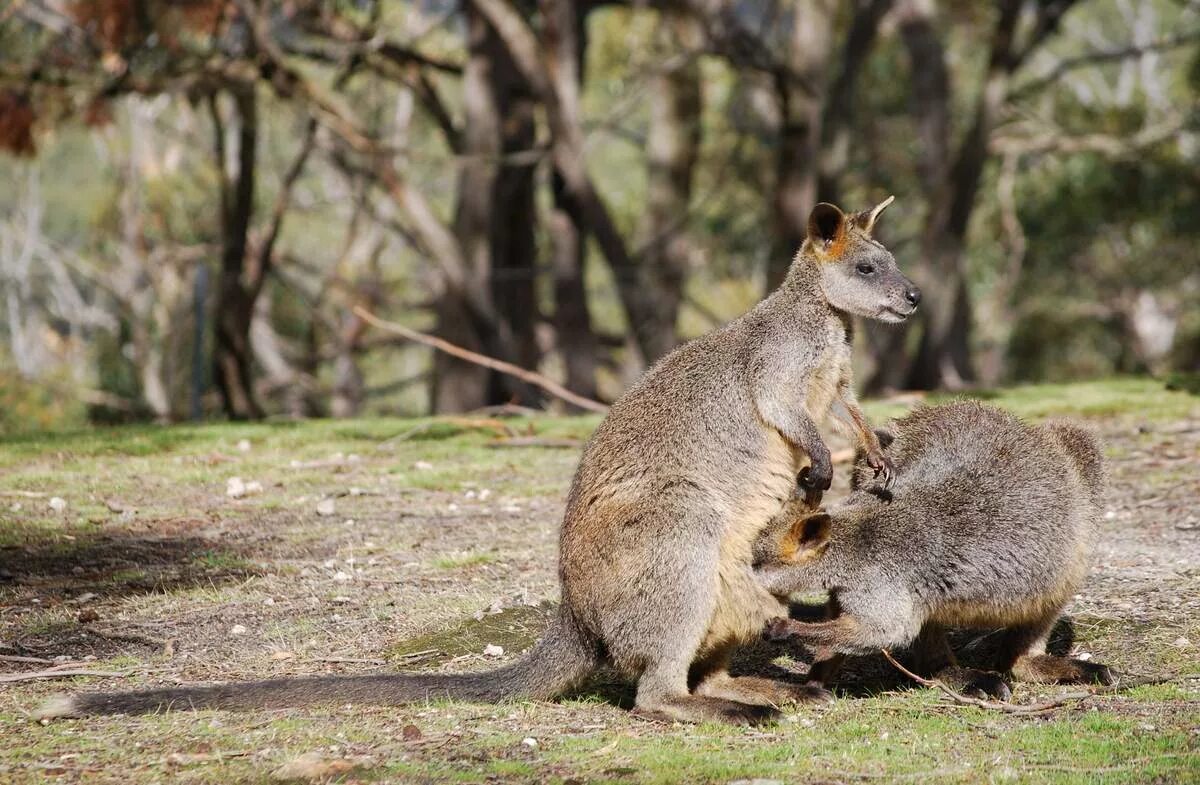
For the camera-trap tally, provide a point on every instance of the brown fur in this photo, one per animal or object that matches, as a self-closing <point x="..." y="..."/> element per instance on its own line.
<point x="669" y="498"/>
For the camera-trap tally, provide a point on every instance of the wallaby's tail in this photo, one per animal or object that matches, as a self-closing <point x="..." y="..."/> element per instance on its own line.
<point x="1084" y="449"/>
<point x="563" y="657"/>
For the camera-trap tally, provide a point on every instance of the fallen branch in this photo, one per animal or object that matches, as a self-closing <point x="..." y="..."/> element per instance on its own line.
<point x="500" y="429"/>
<point x="535" y="441"/>
<point x="59" y="673"/>
<point x="965" y="700"/>
<point x="15" y="658"/>
<point x="549" y="385"/>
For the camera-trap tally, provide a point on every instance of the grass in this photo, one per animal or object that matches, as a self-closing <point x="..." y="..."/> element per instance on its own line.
<point x="441" y="545"/>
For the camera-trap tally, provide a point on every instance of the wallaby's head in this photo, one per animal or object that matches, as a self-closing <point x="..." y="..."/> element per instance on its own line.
<point x="857" y="274"/>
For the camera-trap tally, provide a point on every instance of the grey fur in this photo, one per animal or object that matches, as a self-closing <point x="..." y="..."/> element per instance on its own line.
<point x="672" y="490"/>
<point x="990" y="522"/>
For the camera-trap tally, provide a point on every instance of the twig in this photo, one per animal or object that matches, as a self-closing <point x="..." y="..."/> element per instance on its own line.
<point x="60" y="673"/>
<point x="442" y="345"/>
<point x="466" y="423"/>
<point x="15" y="658"/>
<point x="965" y="700"/>
<point x="535" y="441"/>
<point x="352" y="660"/>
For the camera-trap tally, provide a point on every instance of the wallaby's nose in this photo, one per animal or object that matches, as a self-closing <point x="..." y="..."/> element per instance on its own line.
<point x="913" y="295"/>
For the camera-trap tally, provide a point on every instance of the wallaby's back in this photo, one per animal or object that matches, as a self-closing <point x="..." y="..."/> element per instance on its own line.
<point x="989" y="517"/>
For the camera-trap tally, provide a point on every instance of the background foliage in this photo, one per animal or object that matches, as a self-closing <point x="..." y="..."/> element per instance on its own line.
<point x="200" y="193"/>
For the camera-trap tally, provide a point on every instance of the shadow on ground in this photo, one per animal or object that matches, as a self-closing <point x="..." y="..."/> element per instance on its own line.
<point x="76" y="576"/>
<point x="516" y="629"/>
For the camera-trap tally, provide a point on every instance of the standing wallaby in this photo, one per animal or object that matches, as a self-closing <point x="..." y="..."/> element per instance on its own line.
<point x="989" y="522"/>
<point x="670" y="494"/>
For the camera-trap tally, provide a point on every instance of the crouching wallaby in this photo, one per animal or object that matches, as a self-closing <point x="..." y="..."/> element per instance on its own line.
<point x="990" y="522"/>
<point x="670" y="494"/>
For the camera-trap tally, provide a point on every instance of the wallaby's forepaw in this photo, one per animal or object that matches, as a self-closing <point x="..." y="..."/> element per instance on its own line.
<point x="885" y="472"/>
<point x="818" y="475"/>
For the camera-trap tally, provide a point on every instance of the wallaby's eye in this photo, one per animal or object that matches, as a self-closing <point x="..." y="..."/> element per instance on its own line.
<point x="865" y="268"/>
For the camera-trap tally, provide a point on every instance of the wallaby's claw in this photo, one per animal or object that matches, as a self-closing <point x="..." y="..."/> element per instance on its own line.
<point x="884" y="471"/>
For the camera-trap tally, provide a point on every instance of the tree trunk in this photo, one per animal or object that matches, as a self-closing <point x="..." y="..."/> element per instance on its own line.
<point x="494" y="225"/>
<point x="944" y="357"/>
<point x="235" y="301"/>
<point x="800" y="93"/>
<point x="671" y="151"/>
<point x="567" y="226"/>
<point x="838" y="116"/>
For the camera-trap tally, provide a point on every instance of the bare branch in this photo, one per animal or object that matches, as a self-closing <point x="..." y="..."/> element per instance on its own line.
<point x="530" y="377"/>
<point x="1068" y="64"/>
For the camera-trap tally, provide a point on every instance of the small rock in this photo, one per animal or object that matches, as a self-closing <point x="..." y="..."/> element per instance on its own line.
<point x="326" y="507"/>
<point x="1181" y="642"/>
<point x="423" y="465"/>
<point x="15" y="507"/>
<point x="237" y="629"/>
<point x="57" y="503"/>
<point x="343" y="600"/>
<point x="341" y="577"/>
<point x="269" y="601"/>
<point x="492" y="650"/>
<point x="243" y="445"/>
<point x="410" y="733"/>
<point x="115" y="506"/>
<point x="529" y="743"/>
<point x="236" y="488"/>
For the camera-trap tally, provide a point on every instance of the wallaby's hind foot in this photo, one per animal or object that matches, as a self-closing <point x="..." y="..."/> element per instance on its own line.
<point x="754" y="689"/>
<point x="1049" y="669"/>
<point x="976" y="683"/>
<point x="700" y="708"/>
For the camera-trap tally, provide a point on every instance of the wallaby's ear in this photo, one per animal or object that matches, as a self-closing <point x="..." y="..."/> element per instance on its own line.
<point x="866" y="219"/>
<point x="807" y="538"/>
<point x="826" y="227"/>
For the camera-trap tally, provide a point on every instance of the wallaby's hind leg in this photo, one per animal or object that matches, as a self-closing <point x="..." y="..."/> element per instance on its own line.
<point x="933" y="658"/>
<point x="1023" y="652"/>
<point x="715" y="681"/>
<point x="675" y="608"/>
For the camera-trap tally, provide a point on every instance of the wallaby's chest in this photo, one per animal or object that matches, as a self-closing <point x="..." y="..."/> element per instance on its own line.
<point x="830" y="371"/>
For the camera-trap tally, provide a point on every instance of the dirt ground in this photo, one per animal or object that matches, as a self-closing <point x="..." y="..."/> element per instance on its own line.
<point x="395" y="544"/>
